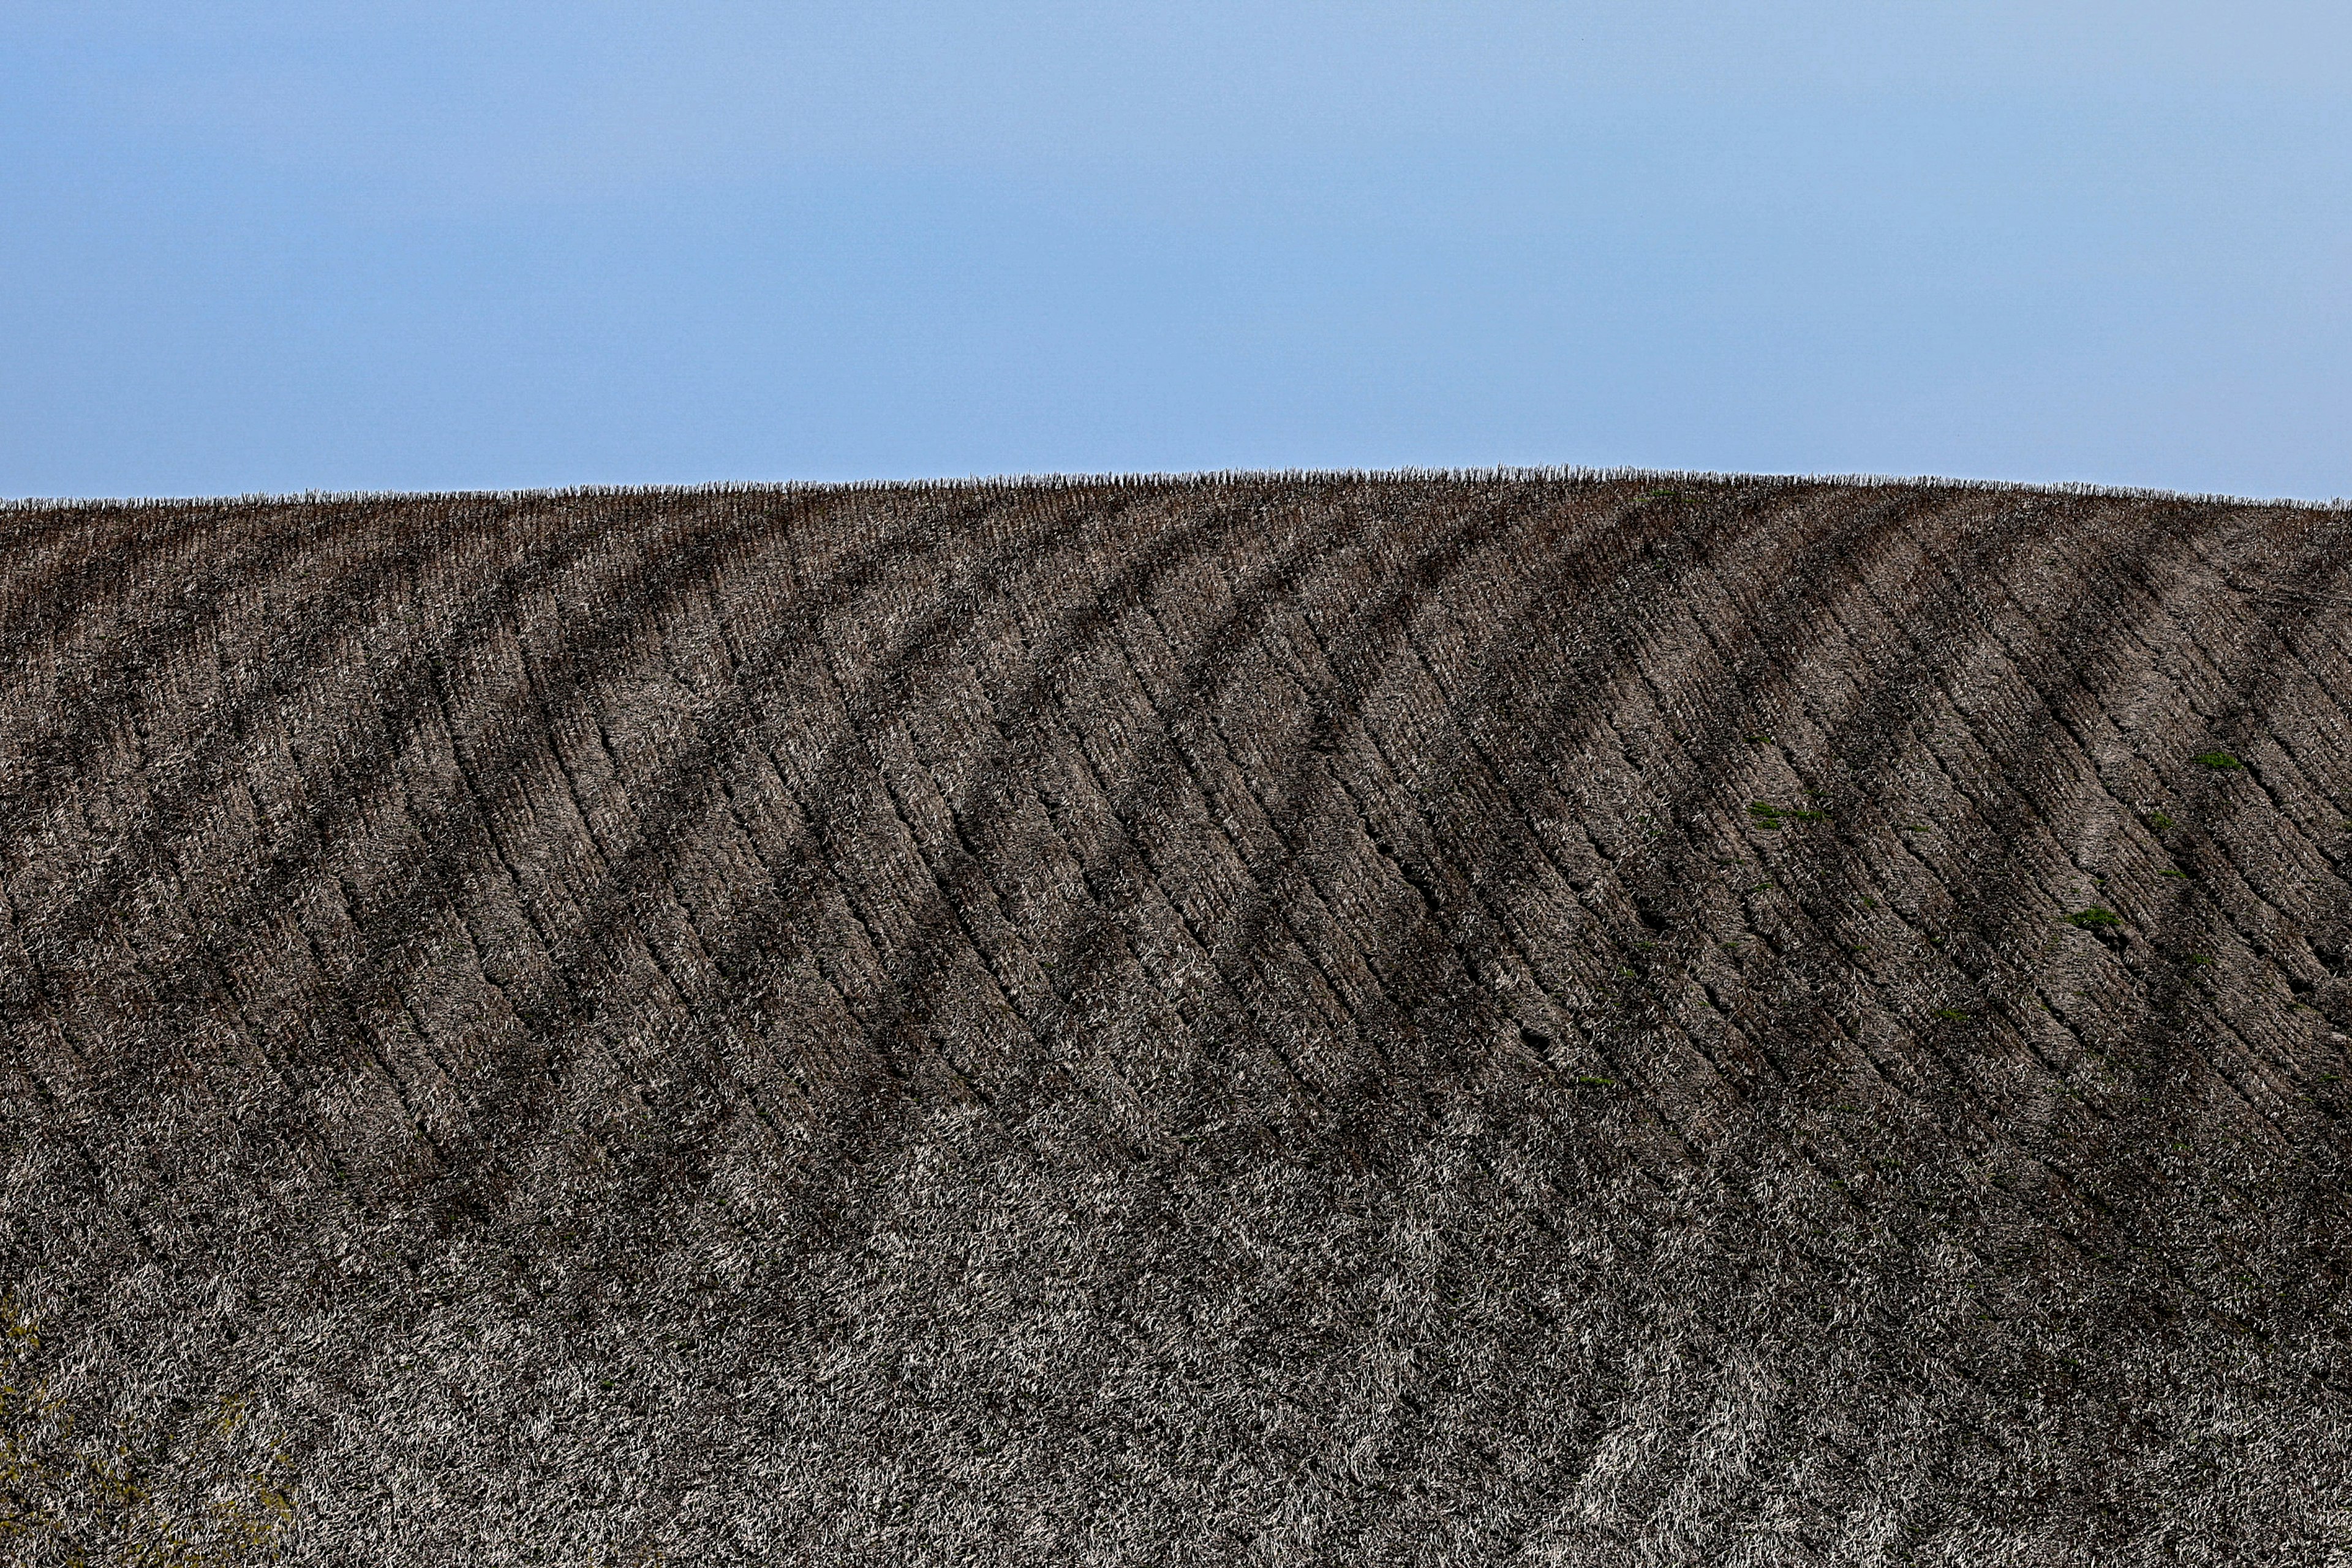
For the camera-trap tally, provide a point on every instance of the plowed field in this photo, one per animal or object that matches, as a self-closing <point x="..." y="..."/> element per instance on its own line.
<point x="1547" y="1018"/>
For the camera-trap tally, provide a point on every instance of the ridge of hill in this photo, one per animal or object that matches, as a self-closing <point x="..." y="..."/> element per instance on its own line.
<point x="1534" y="1016"/>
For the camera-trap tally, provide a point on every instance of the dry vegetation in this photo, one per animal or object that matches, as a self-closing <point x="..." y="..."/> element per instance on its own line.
<point x="1543" y="1018"/>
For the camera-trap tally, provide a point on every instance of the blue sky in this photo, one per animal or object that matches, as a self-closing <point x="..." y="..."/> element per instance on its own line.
<point x="264" y="247"/>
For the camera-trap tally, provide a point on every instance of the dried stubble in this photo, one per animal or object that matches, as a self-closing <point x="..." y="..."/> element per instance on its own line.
<point x="1557" y="1017"/>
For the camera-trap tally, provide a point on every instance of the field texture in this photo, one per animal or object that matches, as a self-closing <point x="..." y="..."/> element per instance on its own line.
<point x="1527" y="1018"/>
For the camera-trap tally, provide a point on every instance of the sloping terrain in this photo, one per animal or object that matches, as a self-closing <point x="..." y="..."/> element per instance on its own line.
<point x="1541" y="1018"/>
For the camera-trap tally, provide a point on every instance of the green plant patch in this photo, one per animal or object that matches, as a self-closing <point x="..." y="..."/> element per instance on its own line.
<point x="1597" y="1082"/>
<point x="1950" y="1013"/>
<point x="2219" y="759"/>
<point x="1770" y="815"/>
<point x="2174" y="872"/>
<point x="2094" y="918"/>
<point x="2199" y="959"/>
<point x="2160" y="821"/>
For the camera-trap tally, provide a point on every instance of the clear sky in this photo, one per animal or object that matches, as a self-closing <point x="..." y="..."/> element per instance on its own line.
<point x="500" y="243"/>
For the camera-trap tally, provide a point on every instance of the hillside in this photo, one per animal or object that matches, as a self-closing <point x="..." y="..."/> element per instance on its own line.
<point x="1526" y="1018"/>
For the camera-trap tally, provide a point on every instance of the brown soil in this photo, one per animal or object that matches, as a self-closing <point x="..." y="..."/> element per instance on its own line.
<point x="1522" y="1018"/>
